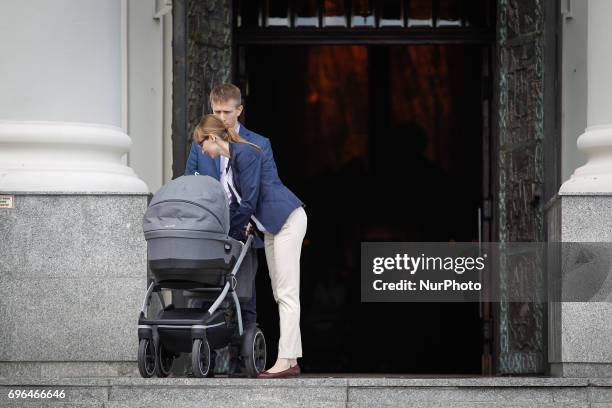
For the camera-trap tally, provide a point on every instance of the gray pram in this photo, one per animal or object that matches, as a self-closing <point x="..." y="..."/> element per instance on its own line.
<point x="186" y="228"/>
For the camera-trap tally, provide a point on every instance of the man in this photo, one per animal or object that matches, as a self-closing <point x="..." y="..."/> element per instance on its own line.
<point x="226" y="103"/>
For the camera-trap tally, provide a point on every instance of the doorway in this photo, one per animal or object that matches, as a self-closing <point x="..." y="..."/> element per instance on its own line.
<point x="382" y="143"/>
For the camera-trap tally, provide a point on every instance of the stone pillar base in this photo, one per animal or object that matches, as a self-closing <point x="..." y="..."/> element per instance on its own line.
<point x="580" y="333"/>
<point x="72" y="278"/>
<point x="581" y="370"/>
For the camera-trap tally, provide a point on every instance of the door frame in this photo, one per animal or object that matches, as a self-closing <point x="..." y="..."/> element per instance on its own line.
<point x="484" y="37"/>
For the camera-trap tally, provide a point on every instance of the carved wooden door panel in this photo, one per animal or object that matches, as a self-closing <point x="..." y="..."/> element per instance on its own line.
<point x="520" y="327"/>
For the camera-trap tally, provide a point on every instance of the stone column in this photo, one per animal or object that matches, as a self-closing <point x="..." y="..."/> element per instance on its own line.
<point x="580" y="340"/>
<point x="73" y="268"/>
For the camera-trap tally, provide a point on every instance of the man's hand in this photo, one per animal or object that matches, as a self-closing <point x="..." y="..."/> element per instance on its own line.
<point x="248" y="229"/>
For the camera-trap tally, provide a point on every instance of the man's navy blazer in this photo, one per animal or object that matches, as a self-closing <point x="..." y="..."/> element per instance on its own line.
<point x="205" y="165"/>
<point x="262" y="193"/>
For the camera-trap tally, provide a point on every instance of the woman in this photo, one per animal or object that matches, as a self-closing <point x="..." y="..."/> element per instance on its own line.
<point x="259" y="197"/>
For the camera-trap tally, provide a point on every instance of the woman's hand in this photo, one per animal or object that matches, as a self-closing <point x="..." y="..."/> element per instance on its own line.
<point x="241" y="235"/>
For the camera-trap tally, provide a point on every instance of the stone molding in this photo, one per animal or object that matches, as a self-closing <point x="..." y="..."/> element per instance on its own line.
<point x="65" y="156"/>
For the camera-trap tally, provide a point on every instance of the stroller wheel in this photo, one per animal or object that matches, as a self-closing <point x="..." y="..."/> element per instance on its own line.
<point x="146" y="358"/>
<point x="164" y="361"/>
<point x="200" y="358"/>
<point x="254" y="351"/>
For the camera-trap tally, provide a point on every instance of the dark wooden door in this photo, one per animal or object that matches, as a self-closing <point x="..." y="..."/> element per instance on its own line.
<point x="256" y="33"/>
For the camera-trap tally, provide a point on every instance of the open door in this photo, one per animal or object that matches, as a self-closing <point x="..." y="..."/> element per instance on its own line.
<point x="349" y="125"/>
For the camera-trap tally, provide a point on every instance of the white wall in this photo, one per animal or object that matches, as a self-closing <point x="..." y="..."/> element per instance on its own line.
<point x="62" y="97"/>
<point x="574" y="84"/>
<point x="97" y="62"/>
<point x="52" y="58"/>
<point x="168" y="60"/>
<point x="149" y="79"/>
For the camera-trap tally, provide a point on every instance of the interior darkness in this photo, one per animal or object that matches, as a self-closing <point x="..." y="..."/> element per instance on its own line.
<point x="382" y="143"/>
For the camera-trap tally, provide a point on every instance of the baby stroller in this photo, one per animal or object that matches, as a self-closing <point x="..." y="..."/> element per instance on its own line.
<point x="186" y="228"/>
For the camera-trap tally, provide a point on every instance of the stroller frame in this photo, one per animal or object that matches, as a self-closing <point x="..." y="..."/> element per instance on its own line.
<point x="190" y="323"/>
<point x="154" y="359"/>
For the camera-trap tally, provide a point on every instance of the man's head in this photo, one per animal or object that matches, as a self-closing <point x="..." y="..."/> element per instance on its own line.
<point x="226" y="103"/>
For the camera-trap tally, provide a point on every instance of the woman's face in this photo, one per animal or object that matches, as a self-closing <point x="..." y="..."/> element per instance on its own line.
<point x="210" y="146"/>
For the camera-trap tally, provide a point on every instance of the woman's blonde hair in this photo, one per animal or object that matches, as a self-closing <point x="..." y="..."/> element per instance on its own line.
<point x="212" y="125"/>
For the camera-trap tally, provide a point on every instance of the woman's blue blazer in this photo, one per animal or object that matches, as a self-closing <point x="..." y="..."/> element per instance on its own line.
<point x="261" y="190"/>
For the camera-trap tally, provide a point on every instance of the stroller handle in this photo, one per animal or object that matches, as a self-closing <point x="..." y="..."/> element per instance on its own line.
<point x="245" y="247"/>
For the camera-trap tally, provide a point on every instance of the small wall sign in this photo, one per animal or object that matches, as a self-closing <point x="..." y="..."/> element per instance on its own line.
<point x="7" y="201"/>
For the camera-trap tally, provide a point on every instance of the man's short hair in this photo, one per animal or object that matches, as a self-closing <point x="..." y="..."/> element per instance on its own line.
<point x="225" y="92"/>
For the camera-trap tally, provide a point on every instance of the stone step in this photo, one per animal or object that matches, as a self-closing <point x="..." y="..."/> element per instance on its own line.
<point x="315" y="391"/>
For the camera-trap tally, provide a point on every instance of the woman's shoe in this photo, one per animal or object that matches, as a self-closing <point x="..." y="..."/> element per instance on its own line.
<point x="288" y="373"/>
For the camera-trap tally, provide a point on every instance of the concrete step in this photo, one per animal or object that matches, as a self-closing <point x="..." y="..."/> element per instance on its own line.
<point x="315" y="391"/>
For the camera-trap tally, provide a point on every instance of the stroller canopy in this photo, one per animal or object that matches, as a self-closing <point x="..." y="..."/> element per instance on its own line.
<point x="188" y="203"/>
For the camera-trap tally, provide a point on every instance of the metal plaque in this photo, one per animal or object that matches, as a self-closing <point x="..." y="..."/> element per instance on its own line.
<point x="7" y="201"/>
